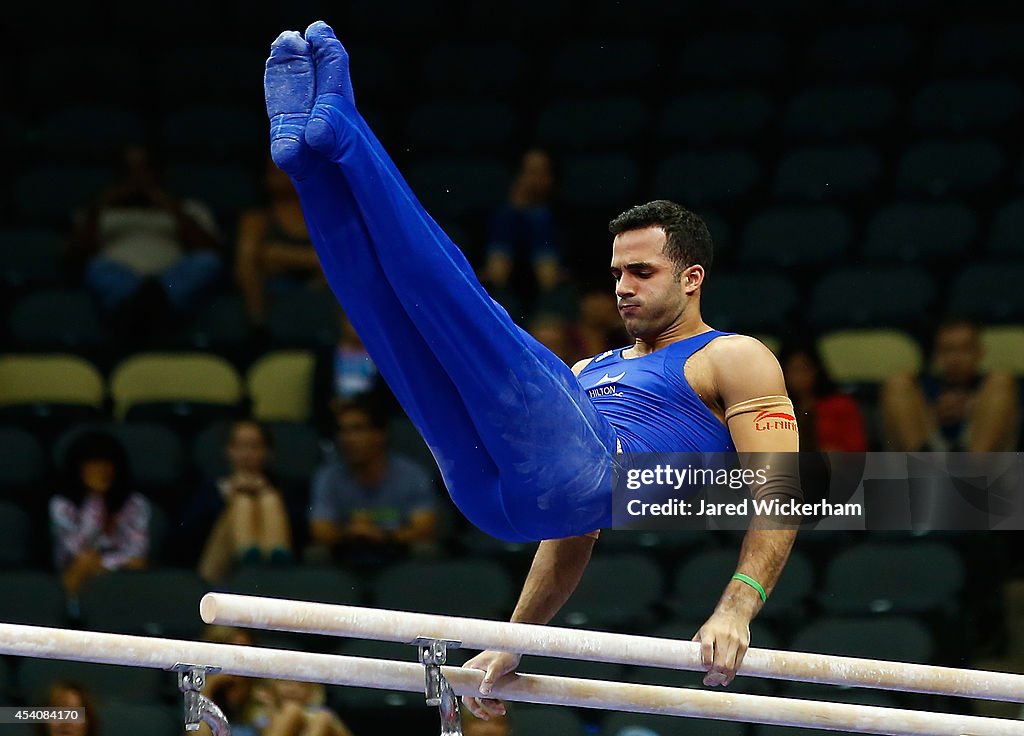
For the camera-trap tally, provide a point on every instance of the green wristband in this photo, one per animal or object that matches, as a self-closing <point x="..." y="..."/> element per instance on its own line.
<point x="752" y="583"/>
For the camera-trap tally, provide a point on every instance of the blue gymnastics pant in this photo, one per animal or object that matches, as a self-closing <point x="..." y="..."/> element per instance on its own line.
<point x="522" y="450"/>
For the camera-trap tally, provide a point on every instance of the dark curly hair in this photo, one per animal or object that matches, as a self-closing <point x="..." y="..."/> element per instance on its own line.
<point x="687" y="238"/>
<point x="97" y="445"/>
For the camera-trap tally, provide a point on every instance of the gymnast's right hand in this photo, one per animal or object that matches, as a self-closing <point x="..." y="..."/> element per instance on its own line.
<point x="495" y="666"/>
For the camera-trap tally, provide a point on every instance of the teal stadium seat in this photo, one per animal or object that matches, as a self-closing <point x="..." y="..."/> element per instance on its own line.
<point x="707" y="177"/>
<point x="844" y="52"/>
<point x="298" y="582"/>
<point x="1006" y="236"/>
<point x="896" y="638"/>
<point x="462" y="127"/>
<point x="22" y="463"/>
<point x="89" y="75"/>
<point x="57" y="319"/>
<point x="989" y="291"/>
<point x="221" y="325"/>
<point x="839" y="112"/>
<point x="107" y="683"/>
<point x="601" y="180"/>
<point x="644" y="724"/>
<point x="749" y="302"/>
<point x="545" y="720"/>
<point x="863" y="579"/>
<point x="796" y="237"/>
<point x="716" y="116"/>
<point x="827" y="172"/>
<point x="117" y="719"/>
<point x="351" y="699"/>
<point x="601" y="65"/>
<point x="465" y="68"/>
<point x="304" y="318"/>
<point x="919" y="233"/>
<point x="472" y="588"/>
<point x="979" y="47"/>
<point x="733" y="57"/>
<point x="91" y="133"/>
<point x="34" y="598"/>
<point x="50" y="194"/>
<point x="452" y="187"/>
<point x="15" y="536"/>
<point x="225" y="189"/>
<point x="592" y="124"/>
<point x="216" y="74"/>
<point x="960" y="106"/>
<point x="944" y="168"/>
<point x="629" y="603"/>
<point x="29" y="257"/>
<point x="155" y="454"/>
<point x="899" y="297"/>
<point x="157" y="602"/>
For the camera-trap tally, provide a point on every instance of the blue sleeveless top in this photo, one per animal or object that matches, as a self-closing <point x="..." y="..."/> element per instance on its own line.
<point x="649" y="402"/>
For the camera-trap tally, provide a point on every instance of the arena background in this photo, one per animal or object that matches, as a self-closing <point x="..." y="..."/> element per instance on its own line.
<point x="860" y="169"/>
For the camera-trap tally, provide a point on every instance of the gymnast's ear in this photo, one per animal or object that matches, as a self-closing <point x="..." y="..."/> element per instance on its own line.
<point x="692" y="278"/>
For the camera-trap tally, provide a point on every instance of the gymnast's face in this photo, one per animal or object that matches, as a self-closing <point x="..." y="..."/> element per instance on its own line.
<point x="651" y="296"/>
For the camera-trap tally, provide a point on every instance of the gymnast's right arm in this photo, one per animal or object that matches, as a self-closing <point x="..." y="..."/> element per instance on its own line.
<point x="557" y="569"/>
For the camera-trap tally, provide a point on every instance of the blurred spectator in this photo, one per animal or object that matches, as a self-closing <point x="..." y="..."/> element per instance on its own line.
<point x="64" y="694"/>
<point x="552" y="332"/>
<point x="600" y="325"/>
<point x="274" y="252"/>
<point x="523" y="230"/>
<point x="494" y="726"/>
<point x="98" y="523"/>
<point x="291" y="708"/>
<point x="370" y="504"/>
<point x="829" y="420"/>
<point x="252" y="523"/>
<point x="955" y="406"/>
<point x="342" y="372"/>
<point x="236" y="696"/>
<point x="147" y="255"/>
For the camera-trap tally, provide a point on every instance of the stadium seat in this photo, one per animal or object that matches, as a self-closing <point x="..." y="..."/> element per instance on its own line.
<point x="716" y="116"/>
<point x="157" y="602"/>
<point x="1004" y="349"/>
<point x="57" y="318"/>
<point x="898" y="638"/>
<point x="406" y="440"/>
<point x="948" y="168"/>
<point x="225" y="189"/>
<point x="117" y="719"/>
<point x="869" y="356"/>
<point x="703" y="177"/>
<point x="89" y="74"/>
<point x="155" y="453"/>
<point x="839" y="112"/>
<point x="351" y="699"/>
<point x="1006" y="237"/>
<point x="462" y="127"/>
<point x="601" y="65"/>
<point x="304" y="318"/>
<point x="29" y="257"/>
<point x="871" y="297"/>
<point x="862" y="53"/>
<point x="762" y="634"/>
<point x="608" y="122"/>
<point x="215" y="74"/>
<point x="985" y="47"/>
<point x="733" y="57"/>
<point x="989" y="292"/>
<point x="795" y="237"/>
<point x="966" y="106"/>
<point x="297" y="453"/>
<point x="699" y="582"/>
<point x="280" y="386"/>
<point x="645" y="724"/>
<point x="35" y="598"/>
<point x="93" y="133"/>
<point x="298" y="582"/>
<point x="474" y="588"/>
<point x="824" y="173"/>
<point x="582" y="668"/>
<point x="541" y="719"/>
<point x="21" y="461"/>
<point x="863" y="579"/>
<point x="49" y="384"/>
<point x="51" y="194"/>
<point x="919" y="233"/>
<point x="107" y="683"/>
<point x="451" y="187"/>
<point x="221" y="325"/>
<point x="168" y="385"/>
<point x="469" y="69"/>
<point x="596" y="605"/>
<point x="15" y="542"/>
<point x="749" y="302"/>
<point x="598" y="180"/>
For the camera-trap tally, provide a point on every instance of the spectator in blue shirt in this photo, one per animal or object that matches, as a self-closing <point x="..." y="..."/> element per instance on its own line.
<point x="370" y="504"/>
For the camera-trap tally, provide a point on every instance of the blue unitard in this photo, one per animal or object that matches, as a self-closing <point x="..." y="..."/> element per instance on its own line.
<point x="524" y="453"/>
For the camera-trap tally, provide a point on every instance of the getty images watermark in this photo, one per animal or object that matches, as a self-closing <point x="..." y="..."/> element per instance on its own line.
<point x="837" y="491"/>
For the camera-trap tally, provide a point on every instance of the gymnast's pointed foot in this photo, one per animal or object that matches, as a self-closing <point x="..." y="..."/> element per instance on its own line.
<point x="333" y="89"/>
<point x="290" y="88"/>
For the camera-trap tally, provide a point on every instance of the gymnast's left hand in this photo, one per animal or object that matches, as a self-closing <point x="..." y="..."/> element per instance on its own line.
<point x="724" y="639"/>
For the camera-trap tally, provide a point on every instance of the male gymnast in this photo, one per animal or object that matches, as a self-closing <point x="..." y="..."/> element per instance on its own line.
<point x="527" y="446"/>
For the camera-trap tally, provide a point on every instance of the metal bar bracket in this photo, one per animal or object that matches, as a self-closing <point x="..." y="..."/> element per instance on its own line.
<point x="432" y="654"/>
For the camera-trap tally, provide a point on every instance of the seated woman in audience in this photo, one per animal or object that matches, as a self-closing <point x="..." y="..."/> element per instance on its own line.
<point x="829" y="420"/>
<point x="98" y="523"/>
<point x="252" y="522"/>
<point x="274" y="251"/>
<point x="62" y="695"/>
<point x="292" y="708"/>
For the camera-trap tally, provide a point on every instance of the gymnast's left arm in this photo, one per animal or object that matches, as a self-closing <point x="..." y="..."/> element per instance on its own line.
<point x="750" y="386"/>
